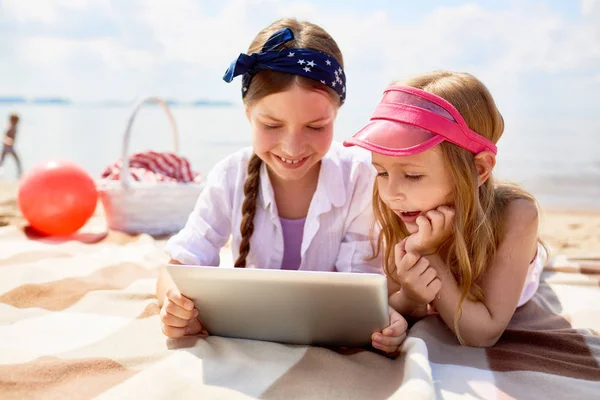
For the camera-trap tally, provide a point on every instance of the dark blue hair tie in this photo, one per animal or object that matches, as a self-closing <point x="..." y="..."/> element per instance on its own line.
<point x="309" y="63"/>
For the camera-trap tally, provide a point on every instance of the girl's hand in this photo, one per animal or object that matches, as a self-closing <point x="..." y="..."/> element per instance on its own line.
<point x="390" y="339"/>
<point x="179" y="317"/>
<point x="419" y="281"/>
<point x="434" y="228"/>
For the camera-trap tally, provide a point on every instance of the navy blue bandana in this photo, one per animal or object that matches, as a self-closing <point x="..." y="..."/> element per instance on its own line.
<point x="309" y="63"/>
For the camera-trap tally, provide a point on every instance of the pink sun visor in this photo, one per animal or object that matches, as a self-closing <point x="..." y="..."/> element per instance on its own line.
<point x="409" y="121"/>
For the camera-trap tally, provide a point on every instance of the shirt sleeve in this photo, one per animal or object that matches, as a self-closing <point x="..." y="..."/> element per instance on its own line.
<point x="358" y="244"/>
<point x="209" y="224"/>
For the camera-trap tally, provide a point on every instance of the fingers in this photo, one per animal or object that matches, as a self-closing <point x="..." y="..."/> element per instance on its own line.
<point x="178" y="316"/>
<point x="424" y="226"/>
<point x="171" y="308"/>
<point x="400" y="250"/>
<point x="402" y="244"/>
<point x="175" y="327"/>
<point x="392" y="337"/>
<point x="398" y="324"/>
<point x="419" y="267"/>
<point x="176" y="297"/>
<point x="175" y="321"/>
<point x="432" y="290"/>
<point x="428" y="275"/>
<point x="173" y="332"/>
<point x="417" y="282"/>
<point x="195" y="327"/>
<point x="389" y="345"/>
<point x="409" y="261"/>
<point x="411" y="275"/>
<point x="449" y="213"/>
<point x="437" y="219"/>
<point x="434" y="287"/>
<point x="178" y="305"/>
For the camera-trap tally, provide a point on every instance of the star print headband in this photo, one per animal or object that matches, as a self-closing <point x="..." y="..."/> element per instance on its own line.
<point x="409" y="121"/>
<point x="309" y="63"/>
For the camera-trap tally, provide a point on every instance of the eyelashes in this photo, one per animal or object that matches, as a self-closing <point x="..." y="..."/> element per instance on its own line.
<point x="274" y="127"/>
<point x="410" y="177"/>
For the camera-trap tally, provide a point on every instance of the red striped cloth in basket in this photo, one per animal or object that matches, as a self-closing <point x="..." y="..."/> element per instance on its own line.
<point x="153" y="166"/>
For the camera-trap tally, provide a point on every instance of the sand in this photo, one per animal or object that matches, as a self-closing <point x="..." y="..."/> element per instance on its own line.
<point x="568" y="232"/>
<point x="9" y="212"/>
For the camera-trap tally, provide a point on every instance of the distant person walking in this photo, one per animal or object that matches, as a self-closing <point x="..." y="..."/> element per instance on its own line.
<point x="9" y="143"/>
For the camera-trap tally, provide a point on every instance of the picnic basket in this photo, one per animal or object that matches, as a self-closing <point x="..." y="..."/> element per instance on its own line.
<point x="156" y="208"/>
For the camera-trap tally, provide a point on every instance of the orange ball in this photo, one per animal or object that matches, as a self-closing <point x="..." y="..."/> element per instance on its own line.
<point x="57" y="197"/>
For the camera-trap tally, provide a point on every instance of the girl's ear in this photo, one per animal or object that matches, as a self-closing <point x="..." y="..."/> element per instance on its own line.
<point x="484" y="163"/>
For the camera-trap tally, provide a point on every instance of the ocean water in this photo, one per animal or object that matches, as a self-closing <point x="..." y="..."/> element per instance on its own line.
<point x="556" y="158"/>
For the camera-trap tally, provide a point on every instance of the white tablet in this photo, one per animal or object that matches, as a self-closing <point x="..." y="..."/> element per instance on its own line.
<point x="298" y="307"/>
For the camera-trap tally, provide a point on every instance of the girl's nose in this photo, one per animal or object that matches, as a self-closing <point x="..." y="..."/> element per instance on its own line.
<point x="294" y="144"/>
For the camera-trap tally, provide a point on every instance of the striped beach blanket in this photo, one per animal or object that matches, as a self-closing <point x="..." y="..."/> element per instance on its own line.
<point x="79" y="320"/>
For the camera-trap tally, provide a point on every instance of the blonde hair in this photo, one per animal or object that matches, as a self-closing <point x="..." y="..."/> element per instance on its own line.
<point x="264" y="83"/>
<point x="479" y="218"/>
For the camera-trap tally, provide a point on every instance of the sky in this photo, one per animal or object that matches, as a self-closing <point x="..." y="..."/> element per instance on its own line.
<point x="539" y="57"/>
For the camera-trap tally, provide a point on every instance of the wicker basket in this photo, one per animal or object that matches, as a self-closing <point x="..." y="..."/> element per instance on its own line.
<point x="140" y="207"/>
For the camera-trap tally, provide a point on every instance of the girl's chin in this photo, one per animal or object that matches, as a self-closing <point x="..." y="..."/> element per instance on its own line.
<point x="411" y="227"/>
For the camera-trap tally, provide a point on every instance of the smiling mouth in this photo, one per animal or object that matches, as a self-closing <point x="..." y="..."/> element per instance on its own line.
<point x="291" y="161"/>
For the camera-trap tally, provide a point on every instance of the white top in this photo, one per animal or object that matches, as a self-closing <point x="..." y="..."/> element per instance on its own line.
<point x="534" y="273"/>
<point x="339" y="224"/>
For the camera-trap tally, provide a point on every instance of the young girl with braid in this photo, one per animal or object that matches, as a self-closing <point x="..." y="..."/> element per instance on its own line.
<point x="293" y="201"/>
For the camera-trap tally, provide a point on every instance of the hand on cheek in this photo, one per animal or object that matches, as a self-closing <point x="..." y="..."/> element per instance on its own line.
<point x="434" y="227"/>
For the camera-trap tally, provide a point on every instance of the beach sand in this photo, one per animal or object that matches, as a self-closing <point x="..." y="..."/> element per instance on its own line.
<point x="9" y="212"/>
<point x="568" y="232"/>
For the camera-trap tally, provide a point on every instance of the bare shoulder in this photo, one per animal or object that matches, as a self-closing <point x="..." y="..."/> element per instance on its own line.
<point x="520" y="229"/>
<point x="522" y="212"/>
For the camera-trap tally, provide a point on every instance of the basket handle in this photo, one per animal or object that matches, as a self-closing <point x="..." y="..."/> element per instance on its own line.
<point x="125" y="178"/>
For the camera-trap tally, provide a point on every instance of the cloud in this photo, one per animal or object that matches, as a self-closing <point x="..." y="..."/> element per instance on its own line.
<point x="187" y="33"/>
<point x="590" y="7"/>
<point x="514" y="50"/>
<point x="48" y="11"/>
<point x="49" y="52"/>
<point x="182" y="47"/>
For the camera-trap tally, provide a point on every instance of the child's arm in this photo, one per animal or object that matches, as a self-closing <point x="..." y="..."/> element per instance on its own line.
<point x="415" y="286"/>
<point x="209" y="224"/>
<point x="411" y="310"/>
<point x="198" y="243"/>
<point x="481" y="325"/>
<point x="398" y="301"/>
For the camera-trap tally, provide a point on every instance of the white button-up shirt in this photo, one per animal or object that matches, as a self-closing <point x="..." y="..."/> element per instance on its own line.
<point x="337" y="231"/>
